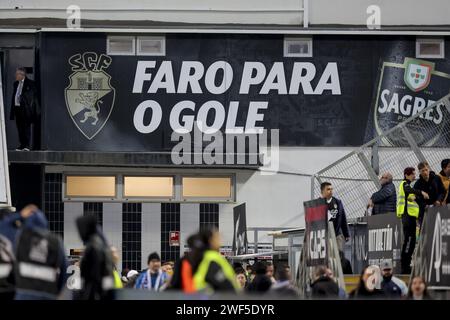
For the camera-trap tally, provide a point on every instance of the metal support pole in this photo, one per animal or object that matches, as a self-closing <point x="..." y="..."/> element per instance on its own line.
<point x="246" y="242"/>
<point x="412" y="143"/>
<point x="369" y="169"/>
<point x="333" y="255"/>
<point x="291" y="252"/>
<point x="273" y="243"/>
<point x="313" y="181"/>
<point x="305" y="13"/>
<point x="446" y="101"/>
<point x="255" y="241"/>
<point x="375" y="157"/>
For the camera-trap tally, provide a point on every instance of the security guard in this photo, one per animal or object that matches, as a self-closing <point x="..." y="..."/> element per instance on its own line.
<point x="41" y="263"/>
<point x="214" y="273"/>
<point x="408" y="211"/>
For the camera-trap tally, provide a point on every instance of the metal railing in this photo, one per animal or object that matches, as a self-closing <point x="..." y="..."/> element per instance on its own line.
<point x="418" y="138"/>
<point x="257" y="231"/>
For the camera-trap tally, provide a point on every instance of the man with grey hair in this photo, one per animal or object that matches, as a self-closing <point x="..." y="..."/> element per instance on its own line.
<point x="384" y="200"/>
<point x="24" y="107"/>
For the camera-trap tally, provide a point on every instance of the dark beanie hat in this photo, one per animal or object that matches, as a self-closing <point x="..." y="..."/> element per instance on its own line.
<point x="153" y="256"/>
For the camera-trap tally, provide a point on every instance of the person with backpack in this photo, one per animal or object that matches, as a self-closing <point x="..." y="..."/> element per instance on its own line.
<point x="41" y="264"/>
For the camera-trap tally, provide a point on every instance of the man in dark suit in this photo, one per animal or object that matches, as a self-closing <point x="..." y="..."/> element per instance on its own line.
<point x="24" y="107"/>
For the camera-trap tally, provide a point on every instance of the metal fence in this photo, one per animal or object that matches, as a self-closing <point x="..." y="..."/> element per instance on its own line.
<point x="424" y="136"/>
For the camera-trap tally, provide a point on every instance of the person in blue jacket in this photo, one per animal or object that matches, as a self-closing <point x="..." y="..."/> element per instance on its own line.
<point x="8" y="230"/>
<point x="10" y="223"/>
<point x="153" y="278"/>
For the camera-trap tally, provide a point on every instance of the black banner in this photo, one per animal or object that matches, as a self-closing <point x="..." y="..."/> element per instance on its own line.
<point x="101" y="102"/>
<point x="240" y="242"/>
<point x="358" y="233"/>
<point x="436" y="254"/>
<point x="231" y="84"/>
<point x="384" y="240"/>
<point x="316" y="236"/>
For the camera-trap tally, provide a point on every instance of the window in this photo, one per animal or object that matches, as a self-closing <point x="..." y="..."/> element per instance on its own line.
<point x="161" y="187"/>
<point x="206" y="187"/>
<point x="90" y="186"/>
<point x="298" y="47"/>
<point x="209" y="216"/>
<point x="430" y="48"/>
<point x="132" y="186"/>
<point x="121" y="45"/>
<point x="53" y="205"/>
<point x="151" y="46"/>
<point x="131" y="235"/>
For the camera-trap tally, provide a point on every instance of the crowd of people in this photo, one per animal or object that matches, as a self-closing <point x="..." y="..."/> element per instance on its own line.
<point x="375" y="282"/>
<point x="411" y="202"/>
<point x="33" y="266"/>
<point x="33" y="263"/>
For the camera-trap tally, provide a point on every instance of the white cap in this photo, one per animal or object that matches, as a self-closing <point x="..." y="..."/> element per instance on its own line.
<point x="131" y="273"/>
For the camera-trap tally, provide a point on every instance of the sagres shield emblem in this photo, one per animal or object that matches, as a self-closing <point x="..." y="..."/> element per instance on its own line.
<point x="417" y="74"/>
<point x="90" y="96"/>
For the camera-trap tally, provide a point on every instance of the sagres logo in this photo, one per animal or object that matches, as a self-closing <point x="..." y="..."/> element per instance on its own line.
<point x="418" y="74"/>
<point x="90" y="96"/>
<point x="405" y="89"/>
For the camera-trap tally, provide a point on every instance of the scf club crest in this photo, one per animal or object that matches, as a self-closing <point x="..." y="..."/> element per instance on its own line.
<point x="90" y="96"/>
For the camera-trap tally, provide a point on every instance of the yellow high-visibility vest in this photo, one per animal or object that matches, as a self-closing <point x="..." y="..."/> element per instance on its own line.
<point x="413" y="207"/>
<point x="117" y="281"/>
<point x="208" y="257"/>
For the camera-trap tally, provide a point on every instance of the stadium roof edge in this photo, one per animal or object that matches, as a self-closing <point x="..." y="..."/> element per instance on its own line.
<point x="34" y="25"/>
<point x="305" y="32"/>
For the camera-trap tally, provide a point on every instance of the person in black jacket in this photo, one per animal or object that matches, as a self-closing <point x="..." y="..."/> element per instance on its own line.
<point x="261" y="283"/>
<point x="25" y="107"/>
<point x="385" y="199"/>
<point x="430" y="183"/>
<point x="346" y="265"/>
<point x="336" y="214"/>
<point x="96" y="264"/>
<point x="444" y="175"/>
<point x="324" y="287"/>
<point x="409" y="222"/>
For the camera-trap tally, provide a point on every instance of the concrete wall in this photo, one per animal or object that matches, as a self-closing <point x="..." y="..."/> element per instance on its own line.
<point x="286" y="12"/>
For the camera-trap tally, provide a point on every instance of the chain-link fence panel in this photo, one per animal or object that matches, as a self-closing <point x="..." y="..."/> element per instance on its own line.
<point x="351" y="181"/>
<point x="423" y="137"/>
